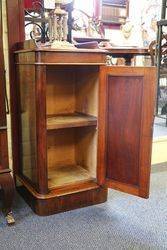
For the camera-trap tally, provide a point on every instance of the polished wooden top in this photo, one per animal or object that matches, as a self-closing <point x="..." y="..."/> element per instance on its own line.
<point x="73" y="50"/>
<point x="128" y="50"/>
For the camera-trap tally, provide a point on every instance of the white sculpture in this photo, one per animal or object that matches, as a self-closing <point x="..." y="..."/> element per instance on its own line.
<point x="58" y="26"/>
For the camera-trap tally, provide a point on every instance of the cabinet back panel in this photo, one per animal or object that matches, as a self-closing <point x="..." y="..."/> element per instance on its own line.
<point x="74" y="146"/>
<point x="60" y="90"/>
<point x="72" y="89"/>
<point x="61" y="148"/>
<point x="124" y="122"/>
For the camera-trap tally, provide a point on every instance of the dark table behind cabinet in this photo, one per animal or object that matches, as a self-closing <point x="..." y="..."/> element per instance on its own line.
<point x="6" y="180"/>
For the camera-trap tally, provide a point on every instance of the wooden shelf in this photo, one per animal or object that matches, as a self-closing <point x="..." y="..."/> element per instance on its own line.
<point x="64" y="175"/>
<point x="70" y="121"/>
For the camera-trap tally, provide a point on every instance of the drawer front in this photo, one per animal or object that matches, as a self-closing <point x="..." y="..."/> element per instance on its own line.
<point x="3" y="149"/>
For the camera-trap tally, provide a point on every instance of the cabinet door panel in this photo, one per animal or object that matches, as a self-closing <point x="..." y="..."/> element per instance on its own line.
<point x="127" y="98"/>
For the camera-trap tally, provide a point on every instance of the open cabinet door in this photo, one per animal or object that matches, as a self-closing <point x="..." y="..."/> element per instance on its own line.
<point x="126" y="112"/>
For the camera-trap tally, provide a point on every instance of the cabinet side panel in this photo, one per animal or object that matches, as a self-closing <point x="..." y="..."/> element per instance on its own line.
<point x="123" y="128"/>
<point x="27" y="124"/>
<point x="87" y="84"/>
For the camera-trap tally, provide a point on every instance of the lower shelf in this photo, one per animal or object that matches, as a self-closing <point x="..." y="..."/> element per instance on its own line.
<point x="65" y="175"/>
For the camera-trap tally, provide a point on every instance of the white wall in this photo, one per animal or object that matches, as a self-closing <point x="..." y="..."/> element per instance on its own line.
<point x="136" y="12"/>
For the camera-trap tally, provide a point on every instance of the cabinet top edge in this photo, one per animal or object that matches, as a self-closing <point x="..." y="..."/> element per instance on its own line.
<point x="99" y="51"/>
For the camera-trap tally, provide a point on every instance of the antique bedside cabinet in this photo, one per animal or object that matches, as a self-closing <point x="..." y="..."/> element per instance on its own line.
<point x="84" y="127"/>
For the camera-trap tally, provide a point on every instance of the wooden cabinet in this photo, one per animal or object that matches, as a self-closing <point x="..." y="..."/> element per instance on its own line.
<point x="6" y="181"/>
<point x="84" y="127"/>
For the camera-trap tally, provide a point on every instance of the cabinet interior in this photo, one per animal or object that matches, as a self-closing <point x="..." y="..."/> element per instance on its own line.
<point x="72" y="115"/>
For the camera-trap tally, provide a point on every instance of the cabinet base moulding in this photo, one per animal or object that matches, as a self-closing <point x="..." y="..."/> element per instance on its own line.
<point x="56" y="204"/>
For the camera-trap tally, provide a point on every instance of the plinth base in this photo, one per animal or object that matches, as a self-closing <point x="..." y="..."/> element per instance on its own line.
<point x="57" y="201"/>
